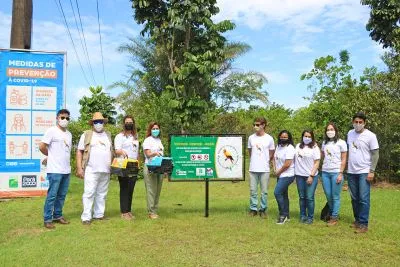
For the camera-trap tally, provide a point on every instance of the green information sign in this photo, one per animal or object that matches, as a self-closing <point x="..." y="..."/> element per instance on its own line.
<point x="199" y="157"/>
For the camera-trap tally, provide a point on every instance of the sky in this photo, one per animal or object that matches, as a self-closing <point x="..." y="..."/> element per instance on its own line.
<point x="286" y="37"/>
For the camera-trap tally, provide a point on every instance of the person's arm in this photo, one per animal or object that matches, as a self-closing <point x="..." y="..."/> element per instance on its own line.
<point x="120" y="152"/>
<point x="343" y="156"/>
<point x="313" y="171"/>
<point x="271" y="154"/>
<point x="44" y="148"/>
<point x="79" y="169"/>
<point x="150" y="154"/>
<point x="374" y="162"/>
<point x="249" y="152"/>
<point x="285" y="166"/>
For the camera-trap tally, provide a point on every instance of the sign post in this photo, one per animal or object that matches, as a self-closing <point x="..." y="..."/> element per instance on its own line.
<point x="208" y="158"/>
<point x="31" y="92"/>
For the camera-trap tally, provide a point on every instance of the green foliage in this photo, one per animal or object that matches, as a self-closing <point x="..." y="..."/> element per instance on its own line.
<point x="197" y="55"/>
<point x="98" y="101"/>
<point x="384" y="22"/>
<point x="338" y="96"/>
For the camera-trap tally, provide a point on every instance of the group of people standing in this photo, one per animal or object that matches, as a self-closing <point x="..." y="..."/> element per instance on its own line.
<point x="302" y="163"/>
<point x="96" y="150"/>
<point x="94" y="155"/>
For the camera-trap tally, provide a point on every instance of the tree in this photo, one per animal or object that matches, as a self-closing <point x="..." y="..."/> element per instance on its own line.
<point x="148" y="75"/>
<point x="196" y="53"/>
<point x="384" y="22"/>
<point x="338" y="96"/>
<point x="98" y="101"/>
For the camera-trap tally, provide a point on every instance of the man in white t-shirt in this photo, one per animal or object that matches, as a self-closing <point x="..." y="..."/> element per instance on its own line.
<point x="56" y="145"/>
<point x="93" y="161"/>
<point x="261" y="150"/>
<point x="363" y="158"/>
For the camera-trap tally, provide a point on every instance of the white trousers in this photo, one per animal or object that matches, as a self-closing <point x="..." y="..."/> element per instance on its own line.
<point x="96" y="188"/>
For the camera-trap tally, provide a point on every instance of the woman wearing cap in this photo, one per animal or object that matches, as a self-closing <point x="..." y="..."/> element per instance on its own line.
<point x="306" y="163"/>
<point x="152" y="147"/>
<point x="334" y="152"/>
<point x="127" y="145"/>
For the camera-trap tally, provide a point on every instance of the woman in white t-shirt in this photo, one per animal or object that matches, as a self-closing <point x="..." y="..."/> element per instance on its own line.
<point x="284" y="170"/>
<point x="127" y="145"/>
<point x="334" y="152"/>
<point x="306" y="163"/>
<point x="152" y="147"/>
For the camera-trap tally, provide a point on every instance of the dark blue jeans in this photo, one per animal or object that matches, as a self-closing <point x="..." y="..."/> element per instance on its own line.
<point x="360" y="197"/>
<point x="281" y="194"/>
<point x="58" y="188"/>
<point x="306" y="197"/>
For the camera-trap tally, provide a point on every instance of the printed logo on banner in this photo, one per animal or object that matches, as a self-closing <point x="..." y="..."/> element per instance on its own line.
<point x="227" y="157"/>
<point x="200" y="171"/>
<point x="199" y="157"/>
<point x="29" y="181"/>
<point x="13" y="182"/>
<point x="209" y="172"/>
<point x="179" y="172"/>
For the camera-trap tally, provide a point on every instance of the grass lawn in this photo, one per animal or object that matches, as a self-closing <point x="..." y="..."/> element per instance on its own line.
<point x="184" y="237"/>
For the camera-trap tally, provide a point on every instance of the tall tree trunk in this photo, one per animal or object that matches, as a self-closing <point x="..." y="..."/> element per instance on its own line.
<point x="21" y="25"/>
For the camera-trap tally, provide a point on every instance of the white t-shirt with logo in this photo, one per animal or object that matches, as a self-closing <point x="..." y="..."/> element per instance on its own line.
<point x="59" y="150"/>
<point x="360" y="146"/>
<point x="304" y="160"/>
<point x="282" y="153"/>
<point x="333" y="155"/>
<point x="128" y="143"/>
<point x="154" y="145"/>
<point x="260" y="147"/>
<point x="100" y="152"/>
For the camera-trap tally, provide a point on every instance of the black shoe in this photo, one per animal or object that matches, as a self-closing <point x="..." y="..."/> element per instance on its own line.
<point x="281" y="220"/>
<point x="86" y="222"/>
<point x="252" y="213"/>
<point x="262" y="214"/>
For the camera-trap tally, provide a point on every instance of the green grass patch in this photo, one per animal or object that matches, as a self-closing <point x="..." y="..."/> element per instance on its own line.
<point x="184" y="237"/>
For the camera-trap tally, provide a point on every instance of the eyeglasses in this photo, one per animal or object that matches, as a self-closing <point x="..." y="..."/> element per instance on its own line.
<point x="98" y="122"/>
<point x="256" y="124"/>
<point x="65" y="118"/>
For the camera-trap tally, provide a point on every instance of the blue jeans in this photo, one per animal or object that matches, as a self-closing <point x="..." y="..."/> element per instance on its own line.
<point x="58" y="188"/>
<point x="259" y="178"/>
<point x="306" y="196"/>
<point x="360" y="197"/>
<point x="281" y="195"/>
<point x="332" y="192"/>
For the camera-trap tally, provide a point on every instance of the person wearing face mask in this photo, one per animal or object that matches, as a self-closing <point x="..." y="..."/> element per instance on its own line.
<point x="363" y="158"/>
<point x="284" y="170"/>
<point x="56" y="145"/>
<point x="334" y="152"/>
<point x="127" y="146"/>
<point x="152" y="147"/>
<point x="261" y="150"/>
<point x="93" y="160"/>
<point x="306" y="163"/>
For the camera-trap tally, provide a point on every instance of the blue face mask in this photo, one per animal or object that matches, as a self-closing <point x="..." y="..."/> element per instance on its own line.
<point x="155" y="132"/>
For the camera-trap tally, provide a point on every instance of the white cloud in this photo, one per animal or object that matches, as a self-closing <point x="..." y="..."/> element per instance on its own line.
<point x="302" y="20"/>
<point x="301" y="48"/>
<point x="258" y="13"/>
<point x="53" y="36"/>
<point x="276" y="77"/>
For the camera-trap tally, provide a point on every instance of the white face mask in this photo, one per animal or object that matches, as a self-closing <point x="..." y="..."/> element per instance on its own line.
<point x="307" y="140"/>
<point x="330" y="134"/>
<point x="358" y="127"/>
<point x="63" y="123"/>
<point x="98" y="127"/>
